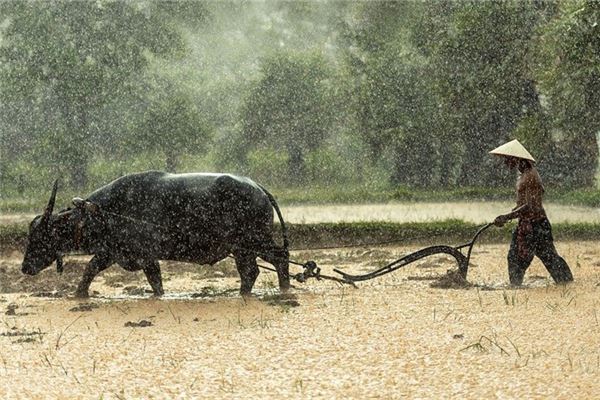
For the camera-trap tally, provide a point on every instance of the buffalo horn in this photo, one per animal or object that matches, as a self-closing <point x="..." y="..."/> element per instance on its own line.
<point x="50" y="206"/>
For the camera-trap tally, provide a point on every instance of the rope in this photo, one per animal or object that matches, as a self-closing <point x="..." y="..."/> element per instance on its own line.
<point x="312" y="271"/>
<point x="351" y="245"/>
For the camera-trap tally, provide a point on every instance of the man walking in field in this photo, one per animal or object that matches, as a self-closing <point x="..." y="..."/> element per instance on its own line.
<point x="533" y="234"/>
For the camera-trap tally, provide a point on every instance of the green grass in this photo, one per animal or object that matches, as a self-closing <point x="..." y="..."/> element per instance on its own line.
<point x="584" y="197"/>
<point x="34" y="201"/>
<point x="363" y="194"/>
<point x="450" y="232"/>
<point x="13" y="236"/>
<point x="374" y="233"/>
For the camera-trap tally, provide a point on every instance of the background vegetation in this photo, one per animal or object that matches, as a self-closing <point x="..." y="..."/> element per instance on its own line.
<point x="382" y="100"/>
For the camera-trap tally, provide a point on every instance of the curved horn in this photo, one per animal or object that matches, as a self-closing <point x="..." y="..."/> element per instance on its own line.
<point x="50" y="206"/>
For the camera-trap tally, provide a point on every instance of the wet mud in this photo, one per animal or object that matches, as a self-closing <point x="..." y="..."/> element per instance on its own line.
<point x="417" y="332"/>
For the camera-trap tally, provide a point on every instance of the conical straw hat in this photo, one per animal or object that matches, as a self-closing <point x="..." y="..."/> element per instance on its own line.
<point x="513" y="149"/>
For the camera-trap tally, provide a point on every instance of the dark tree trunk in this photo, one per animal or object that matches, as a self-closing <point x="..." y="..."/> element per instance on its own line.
<point x="75" y="155"/>
<point x="79" y="174"/>
<point x="587" y="160"/>
<point x="296" y="165"/>
<point x="446" y="167"/>
<point x="472" y="169"/>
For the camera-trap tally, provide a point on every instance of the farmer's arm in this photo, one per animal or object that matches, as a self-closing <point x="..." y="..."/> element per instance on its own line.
<point x="525" y="194"/>
<point x="515" y="213"/>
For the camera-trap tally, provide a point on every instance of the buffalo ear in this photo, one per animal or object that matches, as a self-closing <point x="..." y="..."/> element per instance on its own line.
<point x="92" y="208"/>
<point x="85" y="205"/>
<point x="78" y="202"/>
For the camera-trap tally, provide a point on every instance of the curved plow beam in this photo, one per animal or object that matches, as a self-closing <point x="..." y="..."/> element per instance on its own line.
<point x="461" y="259"/>
<point x="463" y="263"/>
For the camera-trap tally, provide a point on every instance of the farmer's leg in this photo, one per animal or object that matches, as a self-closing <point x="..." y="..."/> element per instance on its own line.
<point x="544" y="248"/>
<point x="519" y="258"/>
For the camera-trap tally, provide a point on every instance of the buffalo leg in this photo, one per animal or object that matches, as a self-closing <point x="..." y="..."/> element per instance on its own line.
<point x="152" y="271"/>
<point x="96" y="265"/>
<point x="248" y="269"/>
<point x="279" y="257"/>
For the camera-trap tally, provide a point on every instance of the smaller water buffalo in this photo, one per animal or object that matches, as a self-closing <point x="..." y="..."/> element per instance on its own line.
<point x="142" y="218"/>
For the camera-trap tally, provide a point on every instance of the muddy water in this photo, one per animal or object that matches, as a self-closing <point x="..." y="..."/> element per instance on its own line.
<point x="394" y="337"/>
<point x="476" y="212"/>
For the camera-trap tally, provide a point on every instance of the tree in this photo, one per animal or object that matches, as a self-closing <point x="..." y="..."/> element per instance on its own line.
<point x="569" y="58"/>
<point x="401" y="115"/>
<point x="230" y="50"/>
<point x="74" y="56"/>
<point x="396" y="110"/>
<point x="170" y="123"/>
<point x="480" y="56"/>
<point x="287" y="109"/>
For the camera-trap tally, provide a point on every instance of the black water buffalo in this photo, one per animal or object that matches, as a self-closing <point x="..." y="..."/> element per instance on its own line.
<point x="141" y="218"/>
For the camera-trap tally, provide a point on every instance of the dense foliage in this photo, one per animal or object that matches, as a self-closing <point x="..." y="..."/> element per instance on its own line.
<point x="365" y="93"/>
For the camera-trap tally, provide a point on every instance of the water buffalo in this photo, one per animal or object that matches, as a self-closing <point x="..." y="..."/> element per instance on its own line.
<point x="142" y="218"/>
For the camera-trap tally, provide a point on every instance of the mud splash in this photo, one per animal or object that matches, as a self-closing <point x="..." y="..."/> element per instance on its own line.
<point x="451" y="280"/>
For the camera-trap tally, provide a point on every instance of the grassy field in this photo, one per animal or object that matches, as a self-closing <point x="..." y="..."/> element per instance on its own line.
<point x="13" y="236"/>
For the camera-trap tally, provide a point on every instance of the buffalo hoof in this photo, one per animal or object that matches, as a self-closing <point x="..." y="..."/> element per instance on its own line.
<point x="287" y="295"/>
<point x="81" y="294"/>
<point x="286" y="288"/>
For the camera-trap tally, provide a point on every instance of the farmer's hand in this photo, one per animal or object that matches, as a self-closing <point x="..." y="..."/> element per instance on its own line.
<point x="500" y="220"/>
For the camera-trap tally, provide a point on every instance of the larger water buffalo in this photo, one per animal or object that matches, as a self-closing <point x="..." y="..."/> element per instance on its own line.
<point x="141" y="218"/>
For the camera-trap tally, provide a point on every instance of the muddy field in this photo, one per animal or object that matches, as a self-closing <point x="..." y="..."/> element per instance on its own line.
<point x="394" y="337"/>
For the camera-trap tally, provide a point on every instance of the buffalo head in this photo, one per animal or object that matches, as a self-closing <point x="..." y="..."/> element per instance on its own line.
<point x="50" y="235"/>
<point x="42" y="246"/>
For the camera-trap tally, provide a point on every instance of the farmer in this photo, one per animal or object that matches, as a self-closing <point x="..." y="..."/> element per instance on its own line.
<point x="533" y="234"/>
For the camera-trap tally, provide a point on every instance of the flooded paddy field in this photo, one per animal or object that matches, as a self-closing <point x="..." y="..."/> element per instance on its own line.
<point x="393" y="337"/>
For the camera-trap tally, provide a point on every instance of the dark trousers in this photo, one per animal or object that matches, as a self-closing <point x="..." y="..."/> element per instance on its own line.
<point x="534" y="238"/>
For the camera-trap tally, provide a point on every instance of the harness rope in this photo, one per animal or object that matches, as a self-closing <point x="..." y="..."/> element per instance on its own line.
<point x="351" y="245"/>
<point x="310" y="267"/>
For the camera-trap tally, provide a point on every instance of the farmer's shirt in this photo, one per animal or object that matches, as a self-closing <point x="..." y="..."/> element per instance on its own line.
<point x="529" y="191"/>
